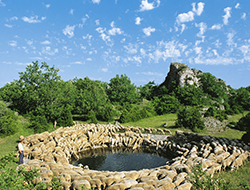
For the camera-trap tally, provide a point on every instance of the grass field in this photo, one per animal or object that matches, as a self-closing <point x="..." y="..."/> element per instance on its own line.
<point x="9" y="144"/>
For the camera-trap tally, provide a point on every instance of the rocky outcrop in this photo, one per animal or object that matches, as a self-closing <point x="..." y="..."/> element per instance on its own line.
<point x="182" y="75"/>
<point x="51" y="152"/>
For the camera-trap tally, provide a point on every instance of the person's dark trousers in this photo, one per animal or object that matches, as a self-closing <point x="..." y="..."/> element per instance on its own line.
<point x="20" y="158"/>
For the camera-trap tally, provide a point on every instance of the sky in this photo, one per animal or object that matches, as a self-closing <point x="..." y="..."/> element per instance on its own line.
<point x="138" y="38"/>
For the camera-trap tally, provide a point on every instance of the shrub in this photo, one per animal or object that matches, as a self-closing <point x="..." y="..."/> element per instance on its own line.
<point x="244" y="123"/>
<point x="190" y="117"/>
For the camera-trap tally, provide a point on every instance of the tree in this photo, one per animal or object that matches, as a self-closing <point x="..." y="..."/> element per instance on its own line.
<point x="8" y="120"/>
<point x="90" y="95"/>
<point x="40" y="93"/>
<point x="120" y="90"/>
<point x="166" y="104"/>
<point x="190" y="117"/>
<point x="147" y="91"/>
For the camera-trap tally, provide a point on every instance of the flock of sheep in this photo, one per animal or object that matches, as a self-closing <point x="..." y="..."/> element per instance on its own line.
<point x="51" y="154"/>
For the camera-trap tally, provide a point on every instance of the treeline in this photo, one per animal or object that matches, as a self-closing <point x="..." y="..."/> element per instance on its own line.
<point x="45" y="99"/>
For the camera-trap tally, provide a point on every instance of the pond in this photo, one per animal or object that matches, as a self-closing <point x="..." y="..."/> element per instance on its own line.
<point x="122" y="159"/>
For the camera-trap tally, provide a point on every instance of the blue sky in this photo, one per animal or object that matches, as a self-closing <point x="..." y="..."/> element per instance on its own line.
<point x="139" y="38"/>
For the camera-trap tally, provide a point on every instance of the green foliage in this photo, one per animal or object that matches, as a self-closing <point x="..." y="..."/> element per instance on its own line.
<point x="92" y="117"/>
<point x="239" y="100"/>
<point x="201" y="181"/>
<point x="120" y="90"/>
<point x="92" y="96"/>
<point x="244" y="123"/>
<point x="216" y="89"/>
<point x="136" y="112"/>
<point x="11" y="178"/>
<point x="190" y="117"/>
<point x="166" y="104"/>
<point x="147" y="91"/>
<point x="38" y="123"/>
<point x="8" y="120"/>
<point x="218" y="114"/>
<point x="40" y="92"/>
<point x="190" y="95"/>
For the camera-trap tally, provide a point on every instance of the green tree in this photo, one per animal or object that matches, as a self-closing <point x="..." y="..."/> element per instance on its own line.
<point x="120" y="90"/>
<point x="147" y="90"/>
<point x="166" y="104"/>
<point x="190" y="117"/>
<point x="8" y="120"/>
<point x="90" y="95"/>
<point x="40" y="93"/>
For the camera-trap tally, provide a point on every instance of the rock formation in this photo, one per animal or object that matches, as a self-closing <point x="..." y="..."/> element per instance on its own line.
<point x="182" y="74"/>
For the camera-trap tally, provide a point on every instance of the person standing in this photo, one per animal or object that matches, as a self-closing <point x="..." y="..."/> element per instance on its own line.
<point x="20" y="150"/>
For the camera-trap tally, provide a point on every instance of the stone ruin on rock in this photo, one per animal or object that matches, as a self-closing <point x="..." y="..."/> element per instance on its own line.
<point x="51" y="152"/>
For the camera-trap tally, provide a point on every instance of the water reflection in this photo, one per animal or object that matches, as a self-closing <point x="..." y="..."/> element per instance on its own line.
<point x="122" y="159"/>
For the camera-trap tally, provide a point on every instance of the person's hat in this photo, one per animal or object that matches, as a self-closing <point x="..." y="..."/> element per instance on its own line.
<point x="21" y="137"/>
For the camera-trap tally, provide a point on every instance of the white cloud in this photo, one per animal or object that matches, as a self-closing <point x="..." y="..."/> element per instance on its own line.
<point x="97" y="22"/>
<point x="14" y="18"/>
<point x="216" y="27"/>
<point x="69" y="31"/>
<point x="96" y="1"/>
<point x="46" y="42"/>
<point x="104" y="70"/>
<point x="237" y="6"/>
<point x="146" y="6"/>
<point x="202" y="27"/>
<point x="230" y="41"/>
<point x="71" y="11"/>
<point x="2" y="4"/>
<point x="89" y="59"/>
<point x="244" y="16"/>
<point x="149" y="73"/>
<point x="30" y="42"/>
<point x="198" y="50"/>
<point x="13" y="43"/>
<point x="200" y="8"/>
<point x="131" y="48"/>
<point x="227" y="15"/>
<point x="183" y="27"/>
<point x="244" y="49"/>
<point x="8" y="25"/>
<point x="114" y="31"/>
<point x="138" y="20"/>
<point x="47" y="6"/>
<point x="47" y="50"/>
<point x="185" y="17"/>
<point x="147" y="31"/>
<point x="33" y="19"/>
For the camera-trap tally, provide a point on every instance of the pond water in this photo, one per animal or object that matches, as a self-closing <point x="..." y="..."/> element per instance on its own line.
<point x="122" y="159"/>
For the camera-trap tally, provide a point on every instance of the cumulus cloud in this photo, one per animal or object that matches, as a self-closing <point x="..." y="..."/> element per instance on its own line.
<point x="71" y="11"/>
<point x="8" y="25"/>
<point x="230" y="39"/>
<point x="104" y="36"/>
<point x="227" y="15"/>
<point x="243" y="16"/>
<point x="189" y="16"/>
<point x="202" y="27"/>
<point x="185" y="17"/>
<point x="14" y="18"/>
<point x="47" y="6"/>
<point x="2" y="4"/>
<point x="147" y="31"/>
<point x="138" y="20"/>
<point x="131" y="48"/>
<point x="114" y="30"/>
<point x="146" y="6"/>
<point x="13" y="43"/>
<point x="237" y="6"/>
<point x="33" y="19"/>
<point x="104" y="70"/>
<point x="200" y="8"/>
<point x="46" y="42"/>
<point x="48" y="51"/>
<point x="69" y="31"/>
<point x="216" y="27"/>
<point x="96" y="1"/>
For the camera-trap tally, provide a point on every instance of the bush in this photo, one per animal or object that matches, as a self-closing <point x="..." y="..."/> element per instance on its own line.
<point x="190" y="118"/>
<point x="244" y="123"/>
<point x="8" y="120"/>
<point x="38" y="123"/>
